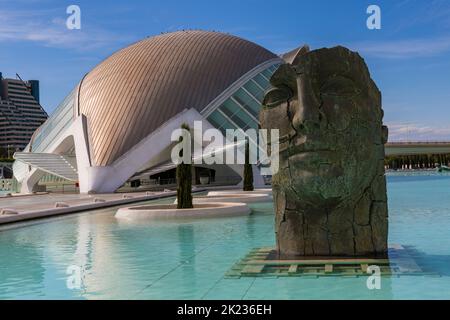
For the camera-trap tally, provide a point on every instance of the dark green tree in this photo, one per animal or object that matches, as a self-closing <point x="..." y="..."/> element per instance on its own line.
<point x="184" y="180"/>
<point x="248" y="171"/>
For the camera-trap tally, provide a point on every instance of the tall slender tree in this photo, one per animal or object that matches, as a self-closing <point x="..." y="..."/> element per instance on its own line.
<point x="248" y="171"/>
<point x="184" y="179"/>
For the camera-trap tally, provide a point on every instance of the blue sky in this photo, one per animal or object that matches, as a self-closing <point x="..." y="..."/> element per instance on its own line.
<point x="409" y="57"/>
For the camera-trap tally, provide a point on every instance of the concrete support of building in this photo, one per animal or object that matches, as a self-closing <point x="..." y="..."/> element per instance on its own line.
<point x="75" y="136"/>
<point x="106" y="179"/>
<point x="110" y="178"/>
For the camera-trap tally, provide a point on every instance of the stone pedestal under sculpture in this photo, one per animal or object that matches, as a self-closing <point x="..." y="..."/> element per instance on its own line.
<point x="330" y="191"/>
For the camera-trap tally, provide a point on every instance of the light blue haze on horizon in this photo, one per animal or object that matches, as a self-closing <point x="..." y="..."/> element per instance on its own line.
<point x="409" y="57"/>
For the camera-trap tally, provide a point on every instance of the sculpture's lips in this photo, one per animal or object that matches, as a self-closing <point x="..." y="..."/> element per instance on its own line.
<point x="284" y="138"/>
<point x="294" y="151"/>
<point x="297" y="146"/>
<point x="321" y="151"/>
<point x="309" y="155"/>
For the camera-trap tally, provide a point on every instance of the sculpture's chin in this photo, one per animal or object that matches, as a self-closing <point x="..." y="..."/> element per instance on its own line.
<point x="319" y="185"/>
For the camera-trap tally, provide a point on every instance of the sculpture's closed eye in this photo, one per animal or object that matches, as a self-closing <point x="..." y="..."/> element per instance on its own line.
<point x="276" y="96"/>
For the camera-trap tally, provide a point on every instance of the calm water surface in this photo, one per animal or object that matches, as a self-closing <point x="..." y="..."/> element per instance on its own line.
<point x="188" y="259"/>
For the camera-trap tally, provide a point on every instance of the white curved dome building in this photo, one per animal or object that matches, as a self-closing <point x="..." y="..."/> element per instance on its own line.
<point x="115" y="125"/>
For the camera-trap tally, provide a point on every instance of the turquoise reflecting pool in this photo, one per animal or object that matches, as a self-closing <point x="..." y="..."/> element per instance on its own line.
<point x="188" y="259"/>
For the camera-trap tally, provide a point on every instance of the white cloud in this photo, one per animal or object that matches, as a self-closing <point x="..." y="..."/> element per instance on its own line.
<point x="417" y="132"/>
<point x="406" y="48"/>
<point x="43" y="27"/>
<point x="414" y="14"/>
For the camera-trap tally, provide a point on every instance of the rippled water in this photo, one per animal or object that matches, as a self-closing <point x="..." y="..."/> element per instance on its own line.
<point x="188" y="259"/>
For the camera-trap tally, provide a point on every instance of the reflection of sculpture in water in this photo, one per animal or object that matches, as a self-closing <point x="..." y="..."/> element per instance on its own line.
<point x="330" y="191"/>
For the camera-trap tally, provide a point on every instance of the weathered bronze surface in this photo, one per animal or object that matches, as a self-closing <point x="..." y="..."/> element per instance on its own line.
<point x="330" y="192"/>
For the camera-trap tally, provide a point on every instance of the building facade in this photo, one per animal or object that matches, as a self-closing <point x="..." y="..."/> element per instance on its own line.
<point x="20" y="113"/>
<point x="115" y="126"/>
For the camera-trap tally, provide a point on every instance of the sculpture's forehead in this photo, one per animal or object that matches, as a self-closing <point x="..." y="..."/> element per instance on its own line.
<point x="322" y="64"/>
<point x="329" y="62"/>
<point x="337" y="71"/>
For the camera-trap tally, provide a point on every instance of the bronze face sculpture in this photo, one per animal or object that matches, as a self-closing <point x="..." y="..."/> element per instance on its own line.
<point x="330" y="191"/>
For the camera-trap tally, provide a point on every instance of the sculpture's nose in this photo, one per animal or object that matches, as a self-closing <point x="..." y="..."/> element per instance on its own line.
<point x="307" y="117"/>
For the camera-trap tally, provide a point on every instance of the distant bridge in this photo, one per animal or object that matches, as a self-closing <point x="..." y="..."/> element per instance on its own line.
<point x="416" y="148"/>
